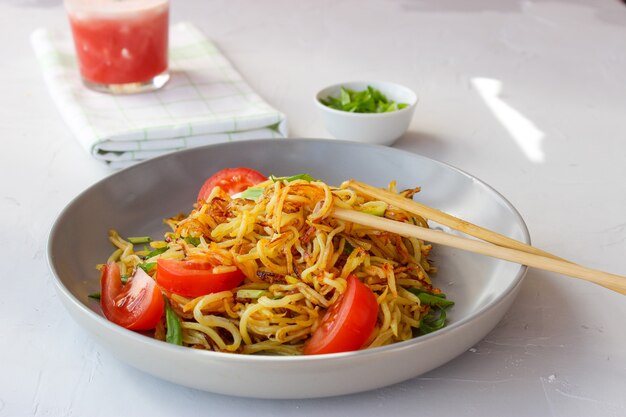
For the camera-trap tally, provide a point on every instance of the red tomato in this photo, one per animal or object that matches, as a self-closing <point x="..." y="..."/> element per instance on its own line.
<point x="194" y="278"/>
<point x="138" y="305"/>
<point x="231" y="180"/>
<point x="348" y="323"/>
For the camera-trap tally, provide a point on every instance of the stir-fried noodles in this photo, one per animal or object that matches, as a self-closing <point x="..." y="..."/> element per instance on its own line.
<point x="297" y="260"/>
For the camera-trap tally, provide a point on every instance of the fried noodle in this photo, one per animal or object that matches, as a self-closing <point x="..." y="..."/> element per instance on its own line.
<point x="289" y="246"/>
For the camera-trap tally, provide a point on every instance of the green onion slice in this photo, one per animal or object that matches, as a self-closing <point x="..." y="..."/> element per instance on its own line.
<point x="174" y="334"/>
<point x="139" y="239"/>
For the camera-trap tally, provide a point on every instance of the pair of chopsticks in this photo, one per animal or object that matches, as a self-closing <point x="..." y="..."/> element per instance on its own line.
<point x="491" y="244"/>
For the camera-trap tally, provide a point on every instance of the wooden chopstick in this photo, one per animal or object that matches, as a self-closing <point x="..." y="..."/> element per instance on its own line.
<point x="611" y="281"/>
<point x="444" y="218"/>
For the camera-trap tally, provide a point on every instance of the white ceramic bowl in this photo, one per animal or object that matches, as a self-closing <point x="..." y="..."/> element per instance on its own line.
<point x="375" y="128"/>
<point x="132" y="201"/>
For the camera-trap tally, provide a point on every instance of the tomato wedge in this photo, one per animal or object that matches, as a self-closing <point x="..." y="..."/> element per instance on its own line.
<point x="137" y="305"/>
<point x="348" y="323"/>
<point x="231" y="180"/>
<point x="194" y="278"/>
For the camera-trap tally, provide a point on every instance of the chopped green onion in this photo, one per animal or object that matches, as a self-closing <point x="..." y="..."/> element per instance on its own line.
<point x="375" y="208"/>
<point x="156" y="252"/>
<point x="250" y="193"/>
<point x="147" y="266"/>
<point x="192" y="240"/>
<point x="94" y="295"/>
<point x="433" y="300"/>
<point x="124" y="279"/>
<point x="347" y="248"/>
<point x="174" y="334"/>
<point x="431" y="322"/>
<point x="253" y="294"/>
<point x="370" y="100"/>
<point x="305" y="177"/>
<point x="437" y="300"/>
<point x="139" y="239"/>
<point x="344" y="95"/>
<point x="254" y="193"/>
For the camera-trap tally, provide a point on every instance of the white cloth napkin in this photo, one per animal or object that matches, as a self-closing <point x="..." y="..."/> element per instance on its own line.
<point x="206" y="101"/>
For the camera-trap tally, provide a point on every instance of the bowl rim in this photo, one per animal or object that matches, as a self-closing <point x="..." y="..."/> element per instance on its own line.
<point x="152" y="343"/>
<point x="411" y="105"/>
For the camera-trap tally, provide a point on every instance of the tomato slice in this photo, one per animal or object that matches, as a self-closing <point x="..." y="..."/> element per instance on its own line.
<point x="137" y="305"/>
<point x="194" y="278"/>
<point x="231" y="180"/>
<point x="348" y="323"/>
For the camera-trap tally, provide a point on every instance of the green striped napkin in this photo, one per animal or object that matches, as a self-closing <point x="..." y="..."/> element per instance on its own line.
<point x="206" y="101"/>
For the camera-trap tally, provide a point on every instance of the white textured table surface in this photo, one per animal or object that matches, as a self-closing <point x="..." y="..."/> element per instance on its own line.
<point x="529" y="96"/>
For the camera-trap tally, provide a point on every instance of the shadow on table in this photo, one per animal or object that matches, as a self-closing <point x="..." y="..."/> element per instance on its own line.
<point x="36" y="3"/>
<point x="603" y="10"/>
<point x="423" y="143"/>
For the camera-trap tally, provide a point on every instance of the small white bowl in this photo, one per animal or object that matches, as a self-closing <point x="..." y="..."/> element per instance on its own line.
<point x="375" y="128"/>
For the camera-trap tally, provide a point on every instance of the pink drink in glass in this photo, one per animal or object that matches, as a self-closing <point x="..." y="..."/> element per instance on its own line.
<point x="121" y="45"/>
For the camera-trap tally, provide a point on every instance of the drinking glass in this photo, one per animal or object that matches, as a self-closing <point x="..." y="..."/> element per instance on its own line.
<point x="121" y="45"/>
